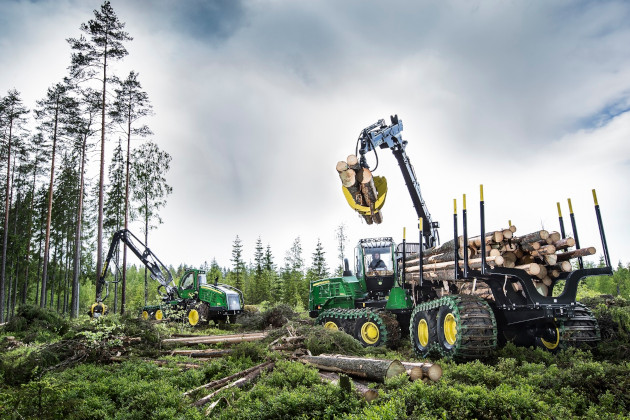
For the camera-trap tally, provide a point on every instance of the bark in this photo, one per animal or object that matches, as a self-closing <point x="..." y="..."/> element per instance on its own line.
<point x="476" y="240"/>
<point x="544" y="250"/>
<point x="5" y="238"/>
<point x="208" y="339"/>
<point x="553" y="238"/>
<point x="540" y="235"/>
<point x="531" y="269"/>
<point x="496" y="260"/>
<point x="582" y="252"/>
<point x="224" y="381"/>
<point x="76" y="266"/>
<point x="367" y="393"/>
<point x="371" y="369"/>
<point x="49" y="214"/>
<point x="239" y="383"/>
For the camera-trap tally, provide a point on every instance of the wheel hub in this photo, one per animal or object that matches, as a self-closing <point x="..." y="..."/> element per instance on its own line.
<point x="423" y="333"/>
<point x="370" y="333"/>
<point x="450" y="329"/>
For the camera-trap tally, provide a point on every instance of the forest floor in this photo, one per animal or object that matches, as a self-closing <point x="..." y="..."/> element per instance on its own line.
<point x="119" y="367"/>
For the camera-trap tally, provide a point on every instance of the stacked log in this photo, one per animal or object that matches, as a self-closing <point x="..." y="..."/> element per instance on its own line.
<point x="360" y="184"/>
<point x="543" y="255"/>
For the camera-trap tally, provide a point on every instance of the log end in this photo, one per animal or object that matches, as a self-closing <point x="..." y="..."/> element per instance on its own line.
<point x="395" y="368"/>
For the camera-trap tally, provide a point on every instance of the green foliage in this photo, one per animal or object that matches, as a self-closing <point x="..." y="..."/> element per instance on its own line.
<point x="34" y="324"/>
<point x="290" y="391"/>
<point x="275" y="317"/>
<point x="250" y="351"/>
<point x="320" y="340"/>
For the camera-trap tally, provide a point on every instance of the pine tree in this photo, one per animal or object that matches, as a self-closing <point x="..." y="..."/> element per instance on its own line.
<point x="92" y="56"/>
<point x="83" y="129"/>
<point x="318" y="269"/>
<point x="54" y="113"/>
<point x="12" y="114"/>
<point x="293" y="275"/>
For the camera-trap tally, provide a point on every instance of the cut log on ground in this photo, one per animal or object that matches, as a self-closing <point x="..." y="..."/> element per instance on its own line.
<point x="367" y="393"/>
<point x="432" y="371"/>
<point x="214" y="339"/>
<point x="239" y="383"/>
<point x="371" y="369"/>
<point x="199" y="353"/>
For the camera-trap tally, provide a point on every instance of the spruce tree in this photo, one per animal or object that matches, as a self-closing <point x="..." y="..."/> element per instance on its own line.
<point x="149" y="189"/>
<point x="237" y="263"/>
<point x="129" y="107"/>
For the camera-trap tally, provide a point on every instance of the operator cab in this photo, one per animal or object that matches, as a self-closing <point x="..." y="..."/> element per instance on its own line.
<point x="375" y="263"/>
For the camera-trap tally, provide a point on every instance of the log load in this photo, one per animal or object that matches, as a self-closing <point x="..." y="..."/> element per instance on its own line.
<point x="543" y="255"/>
<point x="360" y="184"/>
<point x="372" y="369"/>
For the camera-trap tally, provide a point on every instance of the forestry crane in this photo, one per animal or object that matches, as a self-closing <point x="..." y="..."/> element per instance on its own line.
<point x="193" y="298"/>
<point x="463" y="298"/>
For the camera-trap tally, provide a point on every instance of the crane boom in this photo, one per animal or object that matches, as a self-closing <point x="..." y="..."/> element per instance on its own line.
<point x="385" y="136"/>
<point x="158" y="270"/>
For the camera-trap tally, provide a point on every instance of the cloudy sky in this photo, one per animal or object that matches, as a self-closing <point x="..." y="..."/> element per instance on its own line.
<point x="257" y="100"/>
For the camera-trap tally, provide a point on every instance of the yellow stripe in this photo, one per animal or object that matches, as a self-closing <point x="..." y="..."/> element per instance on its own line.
<point x="454" y="205"/>
<point x="595" y="197"/>
<point x="404" y="233"/>
<point x="509" y="223"/>
<point x="420" y="226"/>
<point x="481" y="191"/>
<point x="321" y="282"/>
<point x="570" y="206"/>
<point x="559" y="209"/>
<point x="464" y="205"/>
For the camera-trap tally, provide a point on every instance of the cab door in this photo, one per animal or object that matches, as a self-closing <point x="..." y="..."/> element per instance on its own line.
<point x="187" y="285"/>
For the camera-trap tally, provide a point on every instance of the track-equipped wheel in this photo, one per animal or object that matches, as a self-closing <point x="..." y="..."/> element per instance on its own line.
<point x="371" y="328"/>
<point x="466" y="327"/>
<point x="367" y="332"/>
<point x="423" y="331"/>
<point x="580" y="330"/>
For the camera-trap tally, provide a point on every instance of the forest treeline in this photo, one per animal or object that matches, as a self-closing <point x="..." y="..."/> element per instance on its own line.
<point x="81" y="163"/>
<point x="72" y="179"/>
<point x="60" y="198"/>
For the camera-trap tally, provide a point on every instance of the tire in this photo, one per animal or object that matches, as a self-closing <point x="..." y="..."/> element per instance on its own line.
<point x="423" y="331"/>
<point x="368" y="333"/>
<point x="145" y="315"/>
<point x="448" y="331"/>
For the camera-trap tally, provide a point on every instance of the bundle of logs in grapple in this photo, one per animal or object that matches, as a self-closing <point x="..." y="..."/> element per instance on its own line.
<point x="543" y="255"/>
<point x="359" y="182"/>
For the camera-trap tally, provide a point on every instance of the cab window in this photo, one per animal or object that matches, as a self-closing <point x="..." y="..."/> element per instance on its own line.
<point x="188" y="282"/>
<point x="201" y="279"/>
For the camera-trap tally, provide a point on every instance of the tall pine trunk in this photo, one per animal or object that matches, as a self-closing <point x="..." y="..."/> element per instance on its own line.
<point x="124" y="267"/>
<point x="49" y="214"/>
<point x="29" y="235"/>
<point x="99" y="239"/>
<point x="5" y="238"/>
<point x="74" y="306"/>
